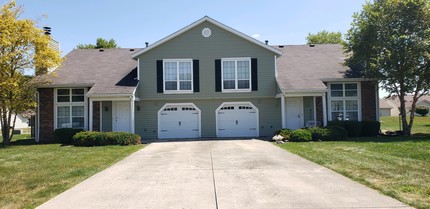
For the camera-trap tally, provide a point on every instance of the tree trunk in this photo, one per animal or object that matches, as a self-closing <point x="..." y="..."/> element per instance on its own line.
<point x="5" y="127"/>
<point x="405" y="125"/>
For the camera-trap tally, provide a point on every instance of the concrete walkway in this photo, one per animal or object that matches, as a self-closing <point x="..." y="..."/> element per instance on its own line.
<point x="236" y="174"/>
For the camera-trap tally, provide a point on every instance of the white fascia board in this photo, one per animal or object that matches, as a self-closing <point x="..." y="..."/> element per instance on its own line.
<point x="192" y="25"/>
<point x="346" y="79"/>
<point x="73" y="85"/>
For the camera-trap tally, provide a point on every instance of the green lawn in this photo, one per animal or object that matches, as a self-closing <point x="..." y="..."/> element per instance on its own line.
<point x="31" y="174"/>
<point x="421" y="124"/>
<point x="396" y="166"/>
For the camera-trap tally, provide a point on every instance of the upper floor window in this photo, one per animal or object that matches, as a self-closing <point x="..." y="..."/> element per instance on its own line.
<point x="236" y="74"/>
<point x="178" y="76"/>
<point x="70" y="95"/>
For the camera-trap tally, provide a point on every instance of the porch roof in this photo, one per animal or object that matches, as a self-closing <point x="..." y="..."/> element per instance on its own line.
<point x="106" y="71"/>
<point x="304" y="68"/>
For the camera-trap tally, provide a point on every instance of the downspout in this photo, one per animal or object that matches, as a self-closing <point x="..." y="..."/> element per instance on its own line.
<point x="324" y="103"/>
<point x="283" y="111"/>
<point x="36" y="136"/>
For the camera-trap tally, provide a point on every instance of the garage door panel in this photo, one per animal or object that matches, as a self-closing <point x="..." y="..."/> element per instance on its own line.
<point x="179" y="121"/>
<point x="238" y="120"/>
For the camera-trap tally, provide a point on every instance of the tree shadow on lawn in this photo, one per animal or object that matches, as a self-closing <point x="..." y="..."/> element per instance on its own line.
<point x="417" y="137"/>
<point x="31" y="141"/>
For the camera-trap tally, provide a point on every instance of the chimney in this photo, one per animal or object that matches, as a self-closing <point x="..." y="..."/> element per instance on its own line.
<point x="147" y="44"/>
<point x="47" y="30"/>
<point x="267" y="42"/>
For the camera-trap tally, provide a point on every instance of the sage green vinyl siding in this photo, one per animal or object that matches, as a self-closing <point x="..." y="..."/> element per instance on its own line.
<point x="147" y="118"/>
<point x="308" y="109"/>
<point x="106" y="116"/>
<point x="192" y="45"/>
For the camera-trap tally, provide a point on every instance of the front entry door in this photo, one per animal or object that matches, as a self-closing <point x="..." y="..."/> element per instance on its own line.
<point x="121" y="116"/>
<point x="294" y="112"/>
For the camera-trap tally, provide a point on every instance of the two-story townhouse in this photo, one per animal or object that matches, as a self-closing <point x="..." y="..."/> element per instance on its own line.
<point x="206" y="80"/>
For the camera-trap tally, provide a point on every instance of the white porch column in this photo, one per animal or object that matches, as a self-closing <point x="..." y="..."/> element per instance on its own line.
<point x="283" y="111"/>
<point x="324" y="105"/>
<point x="91" y="115"/>
<point x="132" y="114"/>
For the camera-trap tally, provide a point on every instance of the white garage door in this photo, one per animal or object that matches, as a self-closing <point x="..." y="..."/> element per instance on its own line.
<point x="179" y="121"/>
<point x="237" y="120"/>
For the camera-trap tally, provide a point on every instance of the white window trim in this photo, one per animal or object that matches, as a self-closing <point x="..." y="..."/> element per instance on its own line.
<point x="177" y="79"/>
<point x="69" y="104"/>
<point x="344" y="98"/>
<point x="236" y="90"/>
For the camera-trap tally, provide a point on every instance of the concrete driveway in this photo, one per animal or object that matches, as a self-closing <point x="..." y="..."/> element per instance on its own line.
<point x="232" y="174"/>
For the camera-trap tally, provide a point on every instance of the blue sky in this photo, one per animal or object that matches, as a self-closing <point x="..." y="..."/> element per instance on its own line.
<point x="132" y="23"/>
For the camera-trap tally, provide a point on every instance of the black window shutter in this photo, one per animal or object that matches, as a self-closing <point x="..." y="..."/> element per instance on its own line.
<point x="159" y="76"/>
<point x="218" y="75"/>
<point x="196" y="78"/>
<point x="254" y="74"/>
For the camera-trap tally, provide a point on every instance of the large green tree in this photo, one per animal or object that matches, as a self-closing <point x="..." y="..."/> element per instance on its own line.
<point x="23" y="46"/>
<point x="324" y="37"/>
<point x="100" y="43"/>
<point x="390" y="41"/>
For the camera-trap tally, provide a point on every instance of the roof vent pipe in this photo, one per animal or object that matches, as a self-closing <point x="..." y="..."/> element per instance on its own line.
<point x="147" y="44"/>
<point x="101" y="50"/>
<point x="47" y="30"/>
<point x="267" y="42"/>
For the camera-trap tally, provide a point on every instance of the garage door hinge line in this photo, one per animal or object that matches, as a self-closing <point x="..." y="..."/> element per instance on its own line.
<point x="213" y="178"/>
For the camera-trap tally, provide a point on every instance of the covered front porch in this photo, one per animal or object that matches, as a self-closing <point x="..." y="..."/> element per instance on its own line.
<point x="303" y="110"/>
<point x="112" y="113"/>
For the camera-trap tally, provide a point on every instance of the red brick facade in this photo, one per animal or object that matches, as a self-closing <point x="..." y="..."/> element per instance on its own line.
<point x="96" y="116"/>
<point x="368" y="100"/>
<point x="46" y="114"/>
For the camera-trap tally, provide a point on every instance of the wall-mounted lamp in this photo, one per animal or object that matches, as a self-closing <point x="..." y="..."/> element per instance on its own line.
<point x="106" y="108"/>
<point x="138" y="108"/>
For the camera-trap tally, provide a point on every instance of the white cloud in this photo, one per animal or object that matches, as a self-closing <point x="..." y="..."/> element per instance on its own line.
<point x="256" y="36"/>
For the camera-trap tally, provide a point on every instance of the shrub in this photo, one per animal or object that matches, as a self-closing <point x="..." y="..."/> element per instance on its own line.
<point x="335" y="133"/>
<point x="353" y="128"/>
<point x="422" y="110"/>
<point x="300" y="135"/>
<point x="318" y="133"/>
<point x="89" y="138"/>
<point x="65" y="135"/>
<point x="286" y="133"/>
<point x="370" y="128"/>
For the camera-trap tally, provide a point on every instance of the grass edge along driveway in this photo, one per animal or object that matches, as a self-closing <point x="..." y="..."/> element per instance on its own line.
<point x="31" y="174"/>
<point x="398" y="167"/>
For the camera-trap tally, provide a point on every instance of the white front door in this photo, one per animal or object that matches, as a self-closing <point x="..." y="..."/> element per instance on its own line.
<point x="294" y="112"/>
<point x="237" y="120"/>
<point x="179" y="121"/>
<point x="121" y="116"/>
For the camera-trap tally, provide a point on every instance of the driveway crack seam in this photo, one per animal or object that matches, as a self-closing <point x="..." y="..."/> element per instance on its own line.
<point x="213" y="178"/>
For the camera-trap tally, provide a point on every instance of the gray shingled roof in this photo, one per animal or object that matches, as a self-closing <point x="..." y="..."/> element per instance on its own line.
<point x="108" y="71"/>
<point x="301" y="67"/>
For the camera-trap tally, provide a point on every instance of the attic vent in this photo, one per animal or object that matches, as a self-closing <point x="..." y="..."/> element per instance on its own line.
<point x="101" y="50"/>
<point x="311" y="45"/>
<point x="267" y="42"/>
<point x="281" y="46"/>
<point x="132" y="50"/>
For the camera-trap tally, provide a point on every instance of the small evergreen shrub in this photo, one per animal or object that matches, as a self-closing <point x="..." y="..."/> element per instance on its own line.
<point x="318" y="133"/>
<point x="286" y="133"/>
<point x="422" y="110"/>
<point x="335" y="133"/>
<point x="65" y="135"/>
<point x="353" y="128"/>
<point x="301" y="135"/>
<point x="370" y="128"/>
<point x="89" y="138"/>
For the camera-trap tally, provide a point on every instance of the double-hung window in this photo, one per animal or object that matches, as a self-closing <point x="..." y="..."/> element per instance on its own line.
<point x="70" y="108"/>
<point x="344" y="101"/>
<point x="178" y="75"/>
<point x="236" y="74"/>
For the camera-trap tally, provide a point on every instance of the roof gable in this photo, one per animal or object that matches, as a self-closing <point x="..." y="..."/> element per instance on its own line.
<point x="198" y="22"/>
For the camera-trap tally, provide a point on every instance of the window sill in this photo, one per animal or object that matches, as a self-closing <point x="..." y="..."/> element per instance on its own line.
<point x="178" y="92"/>
<point x="236" y="90"/>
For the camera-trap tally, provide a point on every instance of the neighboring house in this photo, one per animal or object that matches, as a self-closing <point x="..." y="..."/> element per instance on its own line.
<point x="390" y="106"/>
<point x="205" y="80"/>
<point x="21" y="124"/>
